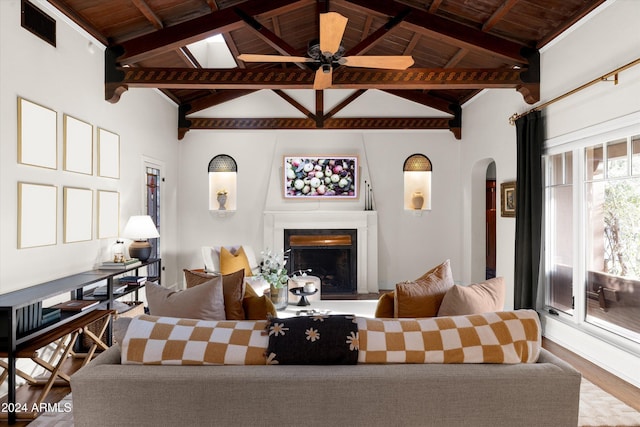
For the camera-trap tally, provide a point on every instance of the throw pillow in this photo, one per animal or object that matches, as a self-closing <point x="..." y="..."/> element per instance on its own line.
<point x="478" y="298"/>
<point x="257" y="307"/>
<point x="422" y="297"/>
<point x="232" y="287"/>
<point x="205" y="301"/>
<point x="230" y="263"/>
<point x="313" y="340"/>
<point x="501" y="337"/>
<point x="152" y="340"/>
<point x="194" y="277"/>
<point x="384" y="308"/>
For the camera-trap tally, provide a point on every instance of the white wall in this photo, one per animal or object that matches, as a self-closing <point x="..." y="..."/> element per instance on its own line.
<point x="409" y="245"/>
<point x="69" y="79"/>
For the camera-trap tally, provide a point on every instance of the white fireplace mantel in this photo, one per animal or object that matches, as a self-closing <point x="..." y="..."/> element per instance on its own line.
<point x="366" y="222"/>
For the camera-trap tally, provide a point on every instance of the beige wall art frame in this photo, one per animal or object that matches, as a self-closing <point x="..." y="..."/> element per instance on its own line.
<point x="37" y="215"/>
<point x="108" y="214"/>
<point x="37" y="135"/>
<point x="78" y="146"/>
<point x="108" y="154"/>
<point x="78" y="214"/>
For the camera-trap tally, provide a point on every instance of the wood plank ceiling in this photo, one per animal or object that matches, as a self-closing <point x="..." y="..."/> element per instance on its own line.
<point x="459" y="46"/>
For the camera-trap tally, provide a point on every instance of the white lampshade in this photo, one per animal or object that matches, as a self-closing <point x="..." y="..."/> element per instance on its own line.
<point x="140" y="227"/>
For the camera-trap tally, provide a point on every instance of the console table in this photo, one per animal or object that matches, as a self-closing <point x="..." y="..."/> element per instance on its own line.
<point x="12" y="341"/>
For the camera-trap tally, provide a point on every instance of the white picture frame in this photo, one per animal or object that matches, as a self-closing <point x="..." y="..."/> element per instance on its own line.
<point x="37" y="215"/>
<point x="78" y="146"/>
<point x="108" y="154"/>
<point x="78" y="214"/>
<point x="108" y="214"/>
<point x="37" y="135"/>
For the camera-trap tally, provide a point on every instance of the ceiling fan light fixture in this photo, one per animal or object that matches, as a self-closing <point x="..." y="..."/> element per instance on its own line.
<point x="326" y="68"/>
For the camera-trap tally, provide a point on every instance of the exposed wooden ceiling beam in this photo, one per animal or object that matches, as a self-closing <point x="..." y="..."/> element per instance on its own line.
<point x="434" y="6"/>
<point x="446" y="30"/>
<point x="270" y="38"/>
<point x="215" y="98"/>
<point x="296" y="104"/>
<point x="196" y="29"/>
<point x="148" y="13"/>
<point x="497" y="16"/>
<point x="344" y="78"/>
<point x="348" y="100"/>
<point x="377" y="35"/>
<point x="341" y="123"/>
<point x="423" y="98"/>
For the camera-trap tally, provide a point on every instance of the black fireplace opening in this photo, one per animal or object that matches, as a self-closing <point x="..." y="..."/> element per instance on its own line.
<point x="330" y="254"/>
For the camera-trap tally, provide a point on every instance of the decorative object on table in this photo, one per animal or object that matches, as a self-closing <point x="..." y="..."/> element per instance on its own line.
<point x="368" y="196"/>
<point x="417" y="200"/>
<point x="222" y="199"/>
<point x="508" y="199"/>
<point x="303" y="293"/>
<point x="223" y="173"/>
<point x="140" y="228"/>
<point x="323" y="177"/>
<point x="417" y="182"/>
<point x="273" y="270"/>
<point x="129" y="263"/>
<point x="117" y="251"/>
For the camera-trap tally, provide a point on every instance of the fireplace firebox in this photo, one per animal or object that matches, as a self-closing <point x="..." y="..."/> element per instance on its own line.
<point x="330" y="254"/>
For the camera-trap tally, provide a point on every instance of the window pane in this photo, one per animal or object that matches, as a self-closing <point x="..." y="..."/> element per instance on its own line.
<point x="613" y="258"/>
<point x="595" y="166"/>
<point x="568" y="167"/>
<point x="560" y="283"/>
<point x="635" y="147"/>
<point x="555" y="169"/>
<point x="617" y="164"/>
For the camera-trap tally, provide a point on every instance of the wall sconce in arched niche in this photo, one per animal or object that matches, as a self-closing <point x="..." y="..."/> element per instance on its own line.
<point x="223" y="171"/>
<point x="417" y="182"/>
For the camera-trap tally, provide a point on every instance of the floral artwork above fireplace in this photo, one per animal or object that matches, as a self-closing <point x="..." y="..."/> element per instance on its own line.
<point x="324" y="177"/>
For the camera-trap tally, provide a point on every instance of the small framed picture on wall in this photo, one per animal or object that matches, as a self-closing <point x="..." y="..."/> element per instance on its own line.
<point x="508" y="199"/>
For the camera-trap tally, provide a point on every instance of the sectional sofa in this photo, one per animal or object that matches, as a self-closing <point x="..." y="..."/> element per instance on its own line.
<point x="544" y="393"/>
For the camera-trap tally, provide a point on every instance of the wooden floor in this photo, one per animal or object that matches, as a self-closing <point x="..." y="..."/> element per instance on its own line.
<point x="598" y="376"/>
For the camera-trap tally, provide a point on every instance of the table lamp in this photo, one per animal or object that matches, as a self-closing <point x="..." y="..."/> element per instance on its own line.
<point x="139" y="228"/>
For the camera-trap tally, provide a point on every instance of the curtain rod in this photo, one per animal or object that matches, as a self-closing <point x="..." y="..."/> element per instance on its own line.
<point x="603" y="78"/>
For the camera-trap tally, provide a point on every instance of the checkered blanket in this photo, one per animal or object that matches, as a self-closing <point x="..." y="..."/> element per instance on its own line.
<point x="152" y="340"/>
<point x="503" y="337"/>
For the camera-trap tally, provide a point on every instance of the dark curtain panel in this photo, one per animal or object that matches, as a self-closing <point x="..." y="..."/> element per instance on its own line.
<point x="530" y="132"/>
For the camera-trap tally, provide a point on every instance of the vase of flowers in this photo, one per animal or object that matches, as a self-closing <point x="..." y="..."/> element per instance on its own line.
<point x="273" y="271"/>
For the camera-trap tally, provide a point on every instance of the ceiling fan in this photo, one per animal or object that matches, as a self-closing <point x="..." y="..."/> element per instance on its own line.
<point x="329" y="52"/>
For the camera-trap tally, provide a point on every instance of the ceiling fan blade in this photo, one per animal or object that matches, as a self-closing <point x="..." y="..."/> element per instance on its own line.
<point x="322" y="79"/>
<point x="332" y="26"/>
<point x="386" y="62"/>
<point x="249" y="57"/>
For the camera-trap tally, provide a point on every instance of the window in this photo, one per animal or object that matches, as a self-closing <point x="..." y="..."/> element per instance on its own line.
<point x="593" y="233"/>
<point x="560" y="231"/>
<point x="152" y="202"/>
<point x="612" y="213"/>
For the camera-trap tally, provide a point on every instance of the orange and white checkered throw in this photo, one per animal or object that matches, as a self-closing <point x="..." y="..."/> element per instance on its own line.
<point x="152" y="340"/>
<point x="503" y="337"/>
